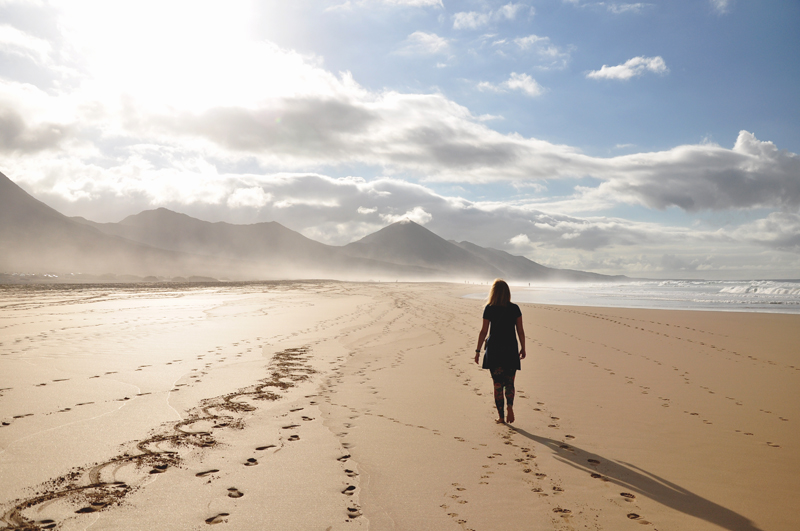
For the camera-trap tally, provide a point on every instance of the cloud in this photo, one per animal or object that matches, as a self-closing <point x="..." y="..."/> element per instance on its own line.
<point x="706" y="177"/>
<point x="248" y="197"/>
<point x="721" y="6"/>
<point x="16" y="42"/>
<point x="474" y="20"/>
<point x="422" y="43"/>
<point x="314" y="120"/>
<point x="511" y="10"/>
<point x="550" y="55"/>
<point x="526" y="43"/>
<point x="18" y="136"/>
<point x="293" y="126"/>
<point x="524" y="83"/>
<point x="779" y="230"/>
<point x="162" y="143"/>
<point x="630" y="68"/>
<point x="614" y="8"/>
<point x="625" y="8"/>
<point x="521" y="82"/>
<point x="520" y="240"/>
<point x="423" y="136"/>
<point x="416" y="214"/>
<point x="349" y="5"/>
<point x="470" y="20"/>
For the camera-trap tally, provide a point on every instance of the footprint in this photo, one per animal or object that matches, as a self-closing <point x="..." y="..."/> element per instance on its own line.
<point x="218" y="519"/>
<point x="233" y="492"/>
<point x="294" y="438"/>
<point x="343" y="458"/>
<point x="251" y="462"/>
<point x="206" y="472"/>
<point x="349" y="490"/>
<point x="267" y="447"/>
<point x="159" y="469"/>
<point x="627" y="495"/>
<point x="94" y="507"/>
<point x="353" y="512"/>
<point x="594" y="461"/>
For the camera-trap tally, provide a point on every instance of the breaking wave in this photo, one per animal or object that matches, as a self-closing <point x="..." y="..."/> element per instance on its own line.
<point x="776" y="296"/>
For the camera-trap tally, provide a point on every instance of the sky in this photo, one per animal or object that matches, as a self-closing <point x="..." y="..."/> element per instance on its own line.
<point x="651" y="139"/>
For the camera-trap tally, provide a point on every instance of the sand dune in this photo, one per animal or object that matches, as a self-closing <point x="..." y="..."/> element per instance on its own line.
<point x="355" y="406"/>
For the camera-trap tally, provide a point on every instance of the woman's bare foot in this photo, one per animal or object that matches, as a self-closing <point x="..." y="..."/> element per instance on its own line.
<point x="500" y="421"/>
<point x="510" y="416"/>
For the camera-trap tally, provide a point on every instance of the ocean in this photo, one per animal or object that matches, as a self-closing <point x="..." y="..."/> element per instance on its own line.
<point x="774" y="296"/>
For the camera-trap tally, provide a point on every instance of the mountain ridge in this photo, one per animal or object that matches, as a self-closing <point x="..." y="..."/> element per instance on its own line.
<point x="33" y="236"/>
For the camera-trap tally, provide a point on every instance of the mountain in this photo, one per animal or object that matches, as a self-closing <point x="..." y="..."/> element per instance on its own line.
<point x="166" y="229"/>
<point x="289" y="254"/>
<point x="521" y="269"/>
<point x="408" y="243"/>
<point x="35" y="237"/>
<point x="38" y="239"/>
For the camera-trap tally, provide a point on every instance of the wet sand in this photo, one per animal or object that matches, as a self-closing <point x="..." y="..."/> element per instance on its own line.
<point x="324" y="405"/>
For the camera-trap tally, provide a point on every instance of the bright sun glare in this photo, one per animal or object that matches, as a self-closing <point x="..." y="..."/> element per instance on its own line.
<point x="183" y="54"/>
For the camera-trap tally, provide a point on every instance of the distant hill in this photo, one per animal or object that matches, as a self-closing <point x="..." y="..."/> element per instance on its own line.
<point x="163" y="243"/>
<point x="166" y="229"/>
<point x="519" y="268"/>
<point x="406" y="242"/>
<point x="34" y="237"/>
<point x="286" y="252"/>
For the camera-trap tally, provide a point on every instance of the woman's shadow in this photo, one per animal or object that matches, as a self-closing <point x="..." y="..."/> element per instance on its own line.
<point x="636" y="480"/>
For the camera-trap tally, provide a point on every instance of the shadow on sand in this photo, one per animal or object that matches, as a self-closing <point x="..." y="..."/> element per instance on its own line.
<point x="636" y="480"/>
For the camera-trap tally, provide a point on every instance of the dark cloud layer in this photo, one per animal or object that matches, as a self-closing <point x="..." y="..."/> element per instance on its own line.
<point x="694" y="178"/>
<point x="320" y="128"/>
<point x="18" y="136"/>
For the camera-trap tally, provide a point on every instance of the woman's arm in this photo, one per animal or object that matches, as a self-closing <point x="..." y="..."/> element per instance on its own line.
<point x="521" y="335"/>
<point x="481" y="338"/>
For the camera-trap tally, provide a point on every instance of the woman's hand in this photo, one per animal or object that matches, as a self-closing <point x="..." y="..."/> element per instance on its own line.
<point x="477" y="357"/>
<point x="522" y="354"/>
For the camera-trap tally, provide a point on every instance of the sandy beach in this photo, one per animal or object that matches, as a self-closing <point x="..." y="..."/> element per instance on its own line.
<point x="327" y="405"/>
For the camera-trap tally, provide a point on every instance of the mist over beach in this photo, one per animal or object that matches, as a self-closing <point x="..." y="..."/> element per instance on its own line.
<point x="251" y="258"/>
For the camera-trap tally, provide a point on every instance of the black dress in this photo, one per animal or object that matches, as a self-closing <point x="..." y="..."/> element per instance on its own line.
<point x="502" y="349"/>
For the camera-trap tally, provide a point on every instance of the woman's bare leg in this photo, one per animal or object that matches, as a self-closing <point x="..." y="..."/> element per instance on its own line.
<point x="510" y="391"/>
<point x="498" y="401"/>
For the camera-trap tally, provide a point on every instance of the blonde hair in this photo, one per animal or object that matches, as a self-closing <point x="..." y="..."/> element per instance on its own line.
<point x="500" y="294"/>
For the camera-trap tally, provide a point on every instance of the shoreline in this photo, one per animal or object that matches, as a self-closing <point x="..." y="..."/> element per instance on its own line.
<point x="625" y="417"/>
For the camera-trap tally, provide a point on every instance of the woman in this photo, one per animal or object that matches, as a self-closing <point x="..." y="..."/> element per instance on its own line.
<point x="502" y="357"/>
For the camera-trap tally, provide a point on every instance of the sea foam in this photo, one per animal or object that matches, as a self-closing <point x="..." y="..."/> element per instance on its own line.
<point x="776" y="296"/>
